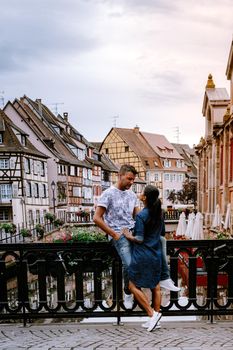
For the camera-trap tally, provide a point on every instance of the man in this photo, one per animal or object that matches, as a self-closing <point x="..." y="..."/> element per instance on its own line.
<point x="115" y="211"/>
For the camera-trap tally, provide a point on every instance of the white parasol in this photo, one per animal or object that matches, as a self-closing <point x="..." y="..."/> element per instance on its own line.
<point x="181" y="228"/>
<point x="198" y="227"/>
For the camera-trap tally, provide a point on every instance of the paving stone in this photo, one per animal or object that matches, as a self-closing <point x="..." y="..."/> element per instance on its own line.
<point x="172" y="336"/>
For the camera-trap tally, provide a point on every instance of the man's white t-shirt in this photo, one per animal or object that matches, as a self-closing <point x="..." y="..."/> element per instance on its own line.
<point x="119" y="208"/>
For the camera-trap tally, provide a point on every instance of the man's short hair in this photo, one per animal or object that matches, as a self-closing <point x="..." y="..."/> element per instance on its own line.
<point x="127" y="168"/>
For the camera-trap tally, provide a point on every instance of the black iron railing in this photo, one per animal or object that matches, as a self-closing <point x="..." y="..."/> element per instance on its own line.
<point x="85" y="280"/>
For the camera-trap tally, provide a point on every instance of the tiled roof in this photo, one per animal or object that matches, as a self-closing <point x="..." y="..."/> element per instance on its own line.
<point x="217" y="94"/>
<point x="46" y="132"/>
<point x="161" y="146"/>
<point x="96" y="145"/>
<point x="11" y="142"/>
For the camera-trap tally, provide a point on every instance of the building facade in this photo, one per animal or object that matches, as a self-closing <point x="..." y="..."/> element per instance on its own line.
<point x="154" y="157"/>
<point x="215" y="150"/>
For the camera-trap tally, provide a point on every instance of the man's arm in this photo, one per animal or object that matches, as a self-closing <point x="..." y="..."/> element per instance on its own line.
<point x="99" y="221"/>
<point x="136" y="211"/>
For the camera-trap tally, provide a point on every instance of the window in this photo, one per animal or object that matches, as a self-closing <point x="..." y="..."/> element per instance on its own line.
<point x="36" y="190"/>
<point x="157" y="177"/>
<point x="1" y="138"/>
<point x="35" y="167"/>
<point x="4" y="215"/>
<point x="4" y="164"/>
<point x="27" y="165"/>
<point x="126" y="148"/>
<point x="172" y="177"/>
<point x="44" y="191"/>
<point x="42" y="168"/>
<point x="61" y="169"/>
<point x="37" y="215"/>
<point x="106" y="176"/>
<point x="180" y="177"/>
<point x="5" y="191"/>
<point x="72" y="170"/>
<point x="29" y="189"/>
<point x="84" y="173"/>
<point x="166" y="177"/>
<point x="30" y="217"/>
<point x="23" y="140"/>
<point x="106" y="150"/>
<point x="89" y="174"/>
<point x="77" y="191"/>
<point x="167" y="163"/>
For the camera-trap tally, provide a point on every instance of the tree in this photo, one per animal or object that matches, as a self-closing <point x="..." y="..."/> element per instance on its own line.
<point x="187" y="195"/>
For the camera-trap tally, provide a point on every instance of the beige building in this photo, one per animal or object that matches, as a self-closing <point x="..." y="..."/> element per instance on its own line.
<point x="215" y="150"/>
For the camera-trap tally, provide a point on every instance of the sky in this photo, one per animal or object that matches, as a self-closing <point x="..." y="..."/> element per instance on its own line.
<point x="117" y="62"/>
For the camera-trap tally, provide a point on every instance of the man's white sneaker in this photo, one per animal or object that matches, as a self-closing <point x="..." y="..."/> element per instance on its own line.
<point x="147" y="323"/>
<point x="169" y="284"/>
<point x="128" y="301"/>
<point x="153" y="321"/>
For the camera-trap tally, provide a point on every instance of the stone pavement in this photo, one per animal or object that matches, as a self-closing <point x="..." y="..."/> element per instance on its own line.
<point x="70" y="336"/>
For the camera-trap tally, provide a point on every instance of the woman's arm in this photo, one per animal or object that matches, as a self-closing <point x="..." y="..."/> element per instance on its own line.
<point x="128" y="234"/>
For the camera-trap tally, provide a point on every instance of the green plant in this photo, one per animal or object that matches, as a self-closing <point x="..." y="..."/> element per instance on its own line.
<point x="40" y="230"/>
<point x="49" y="216"/>
<point x="25" y="232"/>
<point x="9" y="227"/>
<point x="81" y="235"/>
<point x="58" y="222"/>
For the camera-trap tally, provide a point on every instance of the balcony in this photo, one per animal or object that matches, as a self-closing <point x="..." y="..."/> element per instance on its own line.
<point x="35" y="280"/>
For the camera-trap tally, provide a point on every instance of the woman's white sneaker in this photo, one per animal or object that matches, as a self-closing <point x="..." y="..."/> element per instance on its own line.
<point x="169" y="284"/>
<point x="153" y="321"/>
<point x="147" y="323"/>
<point x="128" y="301"/>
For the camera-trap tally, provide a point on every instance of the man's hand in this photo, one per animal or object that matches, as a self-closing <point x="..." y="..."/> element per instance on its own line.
<point x="116" y="237"/>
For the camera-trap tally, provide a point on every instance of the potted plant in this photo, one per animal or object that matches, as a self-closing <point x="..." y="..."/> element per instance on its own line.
<point x="9" y="227"/>
<point x="49" y="216"/>
<point x="25" y="232"/>
<point x="58" y="222"/>
<point x="40" y="230"/>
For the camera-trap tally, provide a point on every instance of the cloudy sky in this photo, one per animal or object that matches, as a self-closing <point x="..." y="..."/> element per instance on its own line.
<point x="145" y="62"/>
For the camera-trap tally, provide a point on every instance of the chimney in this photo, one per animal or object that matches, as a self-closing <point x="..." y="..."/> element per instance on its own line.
<point x="65" y="116"/>
<point x="38" y="101"/>
<point x="136" y="129"/>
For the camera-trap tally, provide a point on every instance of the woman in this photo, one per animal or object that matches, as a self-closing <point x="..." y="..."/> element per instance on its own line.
<point x="145" y="268"/>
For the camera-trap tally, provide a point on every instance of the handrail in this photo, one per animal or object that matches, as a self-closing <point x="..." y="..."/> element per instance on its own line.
<point x="47" y="280"/>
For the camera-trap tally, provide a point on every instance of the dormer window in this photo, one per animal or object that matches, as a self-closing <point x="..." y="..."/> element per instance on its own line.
<point x="56" y="128"/>
<point x="167" y="163"/>
<point x="23" y="140"/>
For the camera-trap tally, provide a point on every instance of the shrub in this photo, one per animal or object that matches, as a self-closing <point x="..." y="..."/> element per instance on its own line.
<point x="81" y="235"/>
<point x="9" y="227"/>
<point x="49" y="216"/>
<point x="58" y="222"/>
<point x="40" y="230"/>
<point x="25" y="232"/>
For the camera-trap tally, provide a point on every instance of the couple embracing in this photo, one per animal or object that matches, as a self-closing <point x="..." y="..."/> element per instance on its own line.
<point x="138" y="238"/>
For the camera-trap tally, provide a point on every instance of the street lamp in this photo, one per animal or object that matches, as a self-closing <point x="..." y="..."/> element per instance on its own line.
<point x="53" y="198"/>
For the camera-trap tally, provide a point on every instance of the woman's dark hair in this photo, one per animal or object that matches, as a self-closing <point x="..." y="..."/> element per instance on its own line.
<point x="153" y="204"/>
